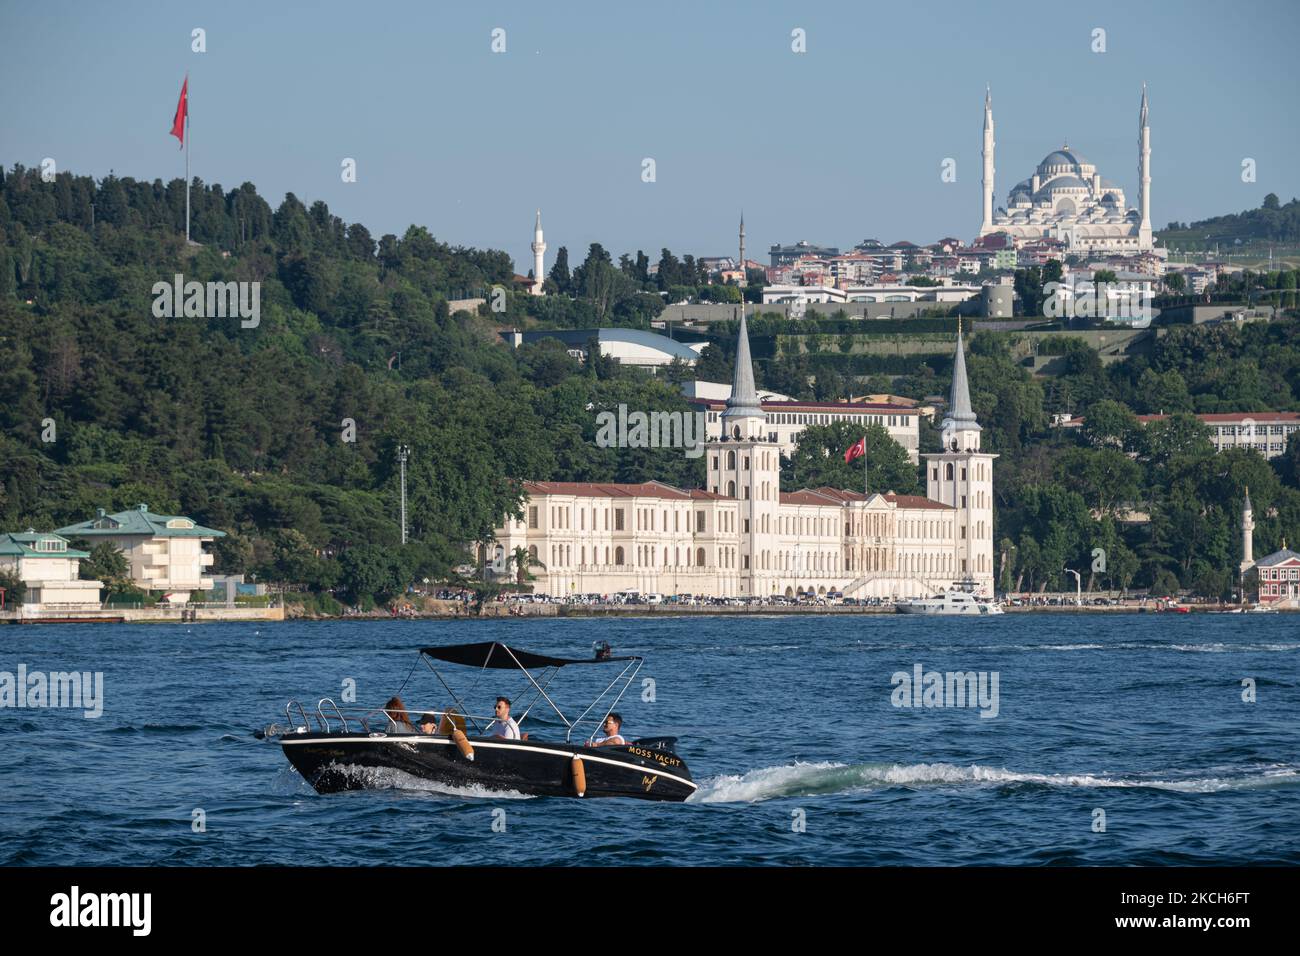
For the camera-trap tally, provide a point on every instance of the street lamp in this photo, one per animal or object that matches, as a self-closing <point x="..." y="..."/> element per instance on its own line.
<point x="403" y="452"/>
<point x="1078" y="586"/>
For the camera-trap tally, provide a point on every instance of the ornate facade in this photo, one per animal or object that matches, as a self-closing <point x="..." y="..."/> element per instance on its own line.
<point x="744" y="537"/>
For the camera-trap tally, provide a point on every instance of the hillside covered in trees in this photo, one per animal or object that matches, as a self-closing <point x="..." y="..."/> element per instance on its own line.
<point x="284" y="435"/>
<point x="1273" y="221"/>
<point x="246" y="429"/>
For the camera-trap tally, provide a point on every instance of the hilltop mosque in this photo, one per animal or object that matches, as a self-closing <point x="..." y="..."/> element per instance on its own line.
<point x="744" y="537"/>
<point x="1067" y="199"/>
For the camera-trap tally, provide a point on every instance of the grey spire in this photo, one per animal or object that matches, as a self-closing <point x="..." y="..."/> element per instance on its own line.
<point x="1142" y="119"/>
<point x="960" y="415"/>
<point x="744" y="397"/>
<point x="1246" y="507"/>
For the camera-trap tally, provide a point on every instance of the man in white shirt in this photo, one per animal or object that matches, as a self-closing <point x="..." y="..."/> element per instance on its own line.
<point x="504" y="725"/>
<point x="612" y="737"/>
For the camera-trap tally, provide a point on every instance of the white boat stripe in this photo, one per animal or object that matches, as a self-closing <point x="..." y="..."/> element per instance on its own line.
<point x="446" y="742"/>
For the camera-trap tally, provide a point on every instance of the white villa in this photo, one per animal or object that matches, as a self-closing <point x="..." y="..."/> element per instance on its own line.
<point x="164" y="552"/>
<point x="744" y="537"/>
<point x="51" y="570"/>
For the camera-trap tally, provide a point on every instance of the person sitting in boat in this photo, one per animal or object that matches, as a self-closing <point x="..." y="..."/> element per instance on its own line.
<point x="612" y="737"/>
<point x="399" y="721"/>
<point x="428" y="723"/>
<point x="503" y="725"/>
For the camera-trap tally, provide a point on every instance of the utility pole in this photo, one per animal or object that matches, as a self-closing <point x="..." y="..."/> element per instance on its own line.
<point x="403" y="452"/>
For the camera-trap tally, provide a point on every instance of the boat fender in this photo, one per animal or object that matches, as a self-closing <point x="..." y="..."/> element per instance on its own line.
<point x="579" y="776"/>
<point x="462" y="744"/>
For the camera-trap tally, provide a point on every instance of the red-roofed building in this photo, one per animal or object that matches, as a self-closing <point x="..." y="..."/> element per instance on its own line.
<point x="742" y="536"/>
<point x="1266" y="432"/>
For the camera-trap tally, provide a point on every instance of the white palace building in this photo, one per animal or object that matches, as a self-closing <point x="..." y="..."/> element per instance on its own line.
<point x="744" y="537"/>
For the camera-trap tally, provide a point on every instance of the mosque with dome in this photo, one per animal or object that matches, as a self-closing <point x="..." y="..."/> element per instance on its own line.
<point x="1067" y="199"/>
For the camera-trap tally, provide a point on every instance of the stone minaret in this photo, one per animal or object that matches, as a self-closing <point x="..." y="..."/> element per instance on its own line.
<point x="741" y="264"/>
<point x="986" y="226"/>
<point x="1144" y="173"/>
<point x="539" y="255"/>
<point x="961" y="476"/>
<point x="1247" y="535"/>
<point x="746" y="466"/>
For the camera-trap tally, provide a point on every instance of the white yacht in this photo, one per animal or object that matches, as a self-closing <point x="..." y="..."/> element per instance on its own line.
<point x="949" y="602"/>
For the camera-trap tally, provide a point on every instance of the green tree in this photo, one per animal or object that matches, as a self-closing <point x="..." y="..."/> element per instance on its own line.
<point x="818" y="460"/>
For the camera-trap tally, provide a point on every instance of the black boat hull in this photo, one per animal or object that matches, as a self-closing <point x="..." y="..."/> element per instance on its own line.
<point x="329" y="762"/>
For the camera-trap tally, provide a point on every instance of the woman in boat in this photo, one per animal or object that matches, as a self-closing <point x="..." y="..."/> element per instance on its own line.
<point x="399" y="721"/>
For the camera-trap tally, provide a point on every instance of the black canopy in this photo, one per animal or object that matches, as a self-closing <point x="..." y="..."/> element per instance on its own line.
<point x="496" y="655"/>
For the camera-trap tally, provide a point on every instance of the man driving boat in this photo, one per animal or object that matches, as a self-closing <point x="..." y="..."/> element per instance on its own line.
<point x="612" y="737"/>
<point x="503" y="725"/>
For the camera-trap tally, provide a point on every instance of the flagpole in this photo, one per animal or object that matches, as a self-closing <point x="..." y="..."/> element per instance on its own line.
<point x="866" y="489"/>
<point x="187" y="159"/>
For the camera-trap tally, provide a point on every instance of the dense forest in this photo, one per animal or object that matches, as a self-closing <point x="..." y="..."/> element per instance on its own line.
<point x="284" y="435"/>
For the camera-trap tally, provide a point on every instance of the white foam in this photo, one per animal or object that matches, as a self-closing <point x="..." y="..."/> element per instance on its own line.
<point x="389" y="778"/>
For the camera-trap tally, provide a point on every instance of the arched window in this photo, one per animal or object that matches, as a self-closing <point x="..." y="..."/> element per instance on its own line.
<point x="948" y="472"/>
<point x="532" y="552"/>
<point x="731" y="489"/>
<point x="618" y="555"/>
<point x="699" y="556"/>
<point x="731" y="459"/>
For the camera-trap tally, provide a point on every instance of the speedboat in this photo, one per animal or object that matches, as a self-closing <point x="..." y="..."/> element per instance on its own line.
<point x="335" y="748"/>
<point x="951" y="602"/>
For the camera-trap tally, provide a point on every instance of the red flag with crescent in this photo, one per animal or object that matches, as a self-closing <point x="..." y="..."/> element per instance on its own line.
<point x="858" y="449"/>
<point x="182" y="110"/>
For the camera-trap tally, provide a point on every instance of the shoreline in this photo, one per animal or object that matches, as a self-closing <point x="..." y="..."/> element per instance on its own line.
<point x="552" y="611"/>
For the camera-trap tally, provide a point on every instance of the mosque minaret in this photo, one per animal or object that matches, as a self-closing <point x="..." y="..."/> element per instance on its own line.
<point x="539" y="256"/>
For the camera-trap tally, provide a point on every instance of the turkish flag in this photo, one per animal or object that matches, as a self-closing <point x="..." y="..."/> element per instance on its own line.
<point x="182" y="111"/>
<point x="857" y="451"/>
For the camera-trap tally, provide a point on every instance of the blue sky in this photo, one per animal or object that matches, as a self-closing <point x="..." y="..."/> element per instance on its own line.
<point x="841" y="143"/>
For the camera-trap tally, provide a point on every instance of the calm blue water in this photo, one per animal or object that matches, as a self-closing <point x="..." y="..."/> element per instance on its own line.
<point x="1139" y="716"/>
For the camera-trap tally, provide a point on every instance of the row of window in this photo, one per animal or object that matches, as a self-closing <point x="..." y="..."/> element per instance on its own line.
<point x="806" y="418"/>
<point x="1248" y="431"/>
<point x="949" y="472"/>
<point x="766" y="459"/>
<point x="1279" y="574"/>
<point x="645" y="556"/>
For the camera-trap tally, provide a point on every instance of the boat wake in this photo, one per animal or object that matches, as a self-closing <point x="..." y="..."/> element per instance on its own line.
<point x="820" y="779"/>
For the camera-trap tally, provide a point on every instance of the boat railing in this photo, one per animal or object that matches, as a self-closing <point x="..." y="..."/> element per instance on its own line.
<point x="320" y="712"/>
<point x="328" y="712"/>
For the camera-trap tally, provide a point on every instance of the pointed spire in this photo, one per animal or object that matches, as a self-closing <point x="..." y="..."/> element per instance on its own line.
<point x="538" y="227"/>
<point x="1142" y="118"/>
<point x="988" y="107"/>
<point x="1246" y="506"/>
<point x="744" y="396"/>
<point x="960" y="416"/>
